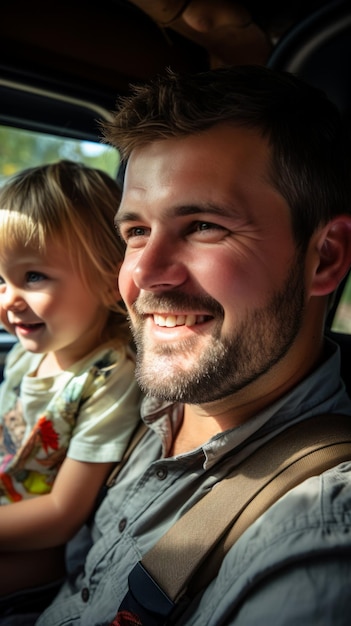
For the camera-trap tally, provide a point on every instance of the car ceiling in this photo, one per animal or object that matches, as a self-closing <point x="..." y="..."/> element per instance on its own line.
<point x="100" y="48"/>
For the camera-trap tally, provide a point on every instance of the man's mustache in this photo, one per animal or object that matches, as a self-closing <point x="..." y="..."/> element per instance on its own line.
<point x="147" y="304"/>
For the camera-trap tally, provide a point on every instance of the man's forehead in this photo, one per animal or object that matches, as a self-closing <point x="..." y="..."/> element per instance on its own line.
<point x="217" y="155"/>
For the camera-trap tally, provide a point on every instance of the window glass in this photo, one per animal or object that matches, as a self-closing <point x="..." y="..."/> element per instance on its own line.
<point x="342" y="319"/>
<point x="22" y="148"/>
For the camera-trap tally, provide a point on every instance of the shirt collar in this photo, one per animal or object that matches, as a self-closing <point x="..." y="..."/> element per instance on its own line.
<point x="321" y="392"/>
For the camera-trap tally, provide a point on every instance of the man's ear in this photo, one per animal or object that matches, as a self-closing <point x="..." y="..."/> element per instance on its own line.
<point x="332" y="245"/>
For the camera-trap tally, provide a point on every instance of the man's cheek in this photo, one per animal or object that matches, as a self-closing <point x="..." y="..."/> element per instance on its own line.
<point x="124" y="278"/>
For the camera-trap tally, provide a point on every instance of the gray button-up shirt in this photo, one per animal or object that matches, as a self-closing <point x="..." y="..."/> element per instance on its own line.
<point x="292" y="566"/>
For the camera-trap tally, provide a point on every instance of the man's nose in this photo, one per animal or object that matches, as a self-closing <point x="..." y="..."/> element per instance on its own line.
<point x="159" y="266"/>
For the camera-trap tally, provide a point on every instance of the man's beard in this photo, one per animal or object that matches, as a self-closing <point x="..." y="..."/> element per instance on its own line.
<point x="178" y="373"/>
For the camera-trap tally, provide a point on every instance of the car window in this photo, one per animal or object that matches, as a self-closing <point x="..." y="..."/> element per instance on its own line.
<point x="23" y="148"/>
<point x="342" y="319"/>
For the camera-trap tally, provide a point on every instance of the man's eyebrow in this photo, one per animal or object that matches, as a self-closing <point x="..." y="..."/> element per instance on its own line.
<point x="179" y="211"/>
<point x="203" y="208"/>
<point x="125" y="217"/>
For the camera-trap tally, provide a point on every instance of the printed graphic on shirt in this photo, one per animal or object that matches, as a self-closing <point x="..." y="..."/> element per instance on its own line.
<point x="28" y="468"/>
<point x="13" y="428"/>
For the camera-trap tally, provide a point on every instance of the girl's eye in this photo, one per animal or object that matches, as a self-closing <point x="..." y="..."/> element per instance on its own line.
<point x="34" y="277"/>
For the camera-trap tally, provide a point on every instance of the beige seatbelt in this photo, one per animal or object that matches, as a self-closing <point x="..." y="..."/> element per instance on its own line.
<point x="205" y="533"/>
<point x="137" y="435"/>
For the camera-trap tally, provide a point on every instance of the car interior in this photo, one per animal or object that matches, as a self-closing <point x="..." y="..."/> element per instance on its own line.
<point x="63" y="66"/>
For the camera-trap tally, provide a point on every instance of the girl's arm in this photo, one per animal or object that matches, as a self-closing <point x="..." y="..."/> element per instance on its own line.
<point x="52" y="519"/>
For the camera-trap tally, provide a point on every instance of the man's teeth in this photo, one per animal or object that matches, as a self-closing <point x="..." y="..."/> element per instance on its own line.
<point x="178" y="320"/>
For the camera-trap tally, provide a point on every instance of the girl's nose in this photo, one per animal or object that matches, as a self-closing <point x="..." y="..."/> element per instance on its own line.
<point x="11" y="299"/>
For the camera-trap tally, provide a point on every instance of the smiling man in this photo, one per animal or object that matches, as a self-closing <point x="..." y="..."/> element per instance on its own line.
<point x="236" y="218"/>
<point x="219" y="305"/>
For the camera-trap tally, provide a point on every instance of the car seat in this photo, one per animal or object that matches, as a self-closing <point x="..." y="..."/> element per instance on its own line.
<point x="318" y="49"/>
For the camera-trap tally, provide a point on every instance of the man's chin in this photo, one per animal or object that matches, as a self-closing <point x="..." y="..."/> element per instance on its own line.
<point x="163" y="377"/>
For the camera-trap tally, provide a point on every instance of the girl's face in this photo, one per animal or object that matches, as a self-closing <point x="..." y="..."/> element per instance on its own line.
<point x="45" y="303"/>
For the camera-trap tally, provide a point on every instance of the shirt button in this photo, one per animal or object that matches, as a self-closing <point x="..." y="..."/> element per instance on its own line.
<point x="85" y="594"/>
<point x="161" y="473"/>
<point x="122" y="525"/>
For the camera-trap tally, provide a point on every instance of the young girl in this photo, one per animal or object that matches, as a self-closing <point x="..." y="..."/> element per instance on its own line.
<point x="69" y="402"/>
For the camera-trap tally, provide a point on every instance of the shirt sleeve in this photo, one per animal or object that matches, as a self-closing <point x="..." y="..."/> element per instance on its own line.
<point x="314" y="591"/>
<point x="293" y="565"/>
<point x="107" y="419"/>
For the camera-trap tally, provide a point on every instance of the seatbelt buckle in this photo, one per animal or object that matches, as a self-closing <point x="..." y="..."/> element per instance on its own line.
<point x="145" y="604"/>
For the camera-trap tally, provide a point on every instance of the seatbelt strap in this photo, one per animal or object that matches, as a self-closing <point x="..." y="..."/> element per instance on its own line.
<point x="189" y="555"/>
<point x="137" y="435"/>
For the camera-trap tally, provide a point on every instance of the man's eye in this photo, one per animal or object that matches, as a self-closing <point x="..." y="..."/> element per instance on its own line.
<point x="207" y="232"/>
<point x="203" y="226"/>
<point x="138" y="231"/>
<point x="134" y="231"/>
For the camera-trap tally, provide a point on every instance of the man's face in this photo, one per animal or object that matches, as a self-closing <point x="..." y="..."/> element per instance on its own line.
<point x="211" y="279"/>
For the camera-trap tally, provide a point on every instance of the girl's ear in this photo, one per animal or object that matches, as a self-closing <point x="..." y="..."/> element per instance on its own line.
<point x="333" y="259"/>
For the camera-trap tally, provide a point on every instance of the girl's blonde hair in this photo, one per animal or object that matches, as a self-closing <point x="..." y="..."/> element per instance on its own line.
<point x="75" y="205"/>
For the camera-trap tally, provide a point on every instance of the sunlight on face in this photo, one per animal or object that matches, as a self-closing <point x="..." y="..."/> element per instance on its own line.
<point x="46" y="303"/>
<point x="205" y="369"/>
